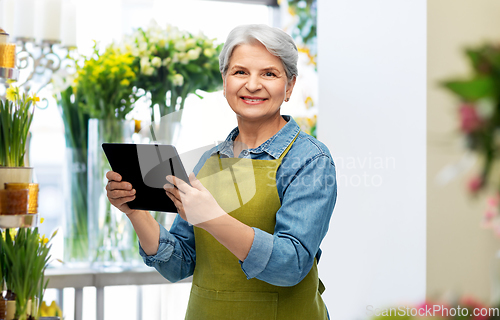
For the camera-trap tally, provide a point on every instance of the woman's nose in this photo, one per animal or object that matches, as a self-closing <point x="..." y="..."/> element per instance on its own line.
<point x="253" y="84"/>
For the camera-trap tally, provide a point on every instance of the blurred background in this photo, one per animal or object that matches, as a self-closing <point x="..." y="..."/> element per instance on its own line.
<point x="398" y="102"/>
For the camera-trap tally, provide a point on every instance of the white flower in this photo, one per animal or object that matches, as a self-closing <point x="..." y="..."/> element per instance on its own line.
<point x="166" y="61"/>
<point x="145" y="63"/>
<point x="183" y="58"/>
<point x="178" y="80"/>
<point x="209" y="52"/>
<point x="143" y="47"/>
<point x="193" y="54"/>
<point x="148" y="71"/>
<point x="175" y="57"/>
<point x="156" y="62"/>
<point x="134" y="51"/>
<point x="190" y="43"/>
<point x="180" y="45"/>
<point x="485" y="108"/>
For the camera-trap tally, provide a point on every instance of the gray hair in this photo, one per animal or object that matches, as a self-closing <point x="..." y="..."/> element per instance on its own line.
<point x="276" y="41"/>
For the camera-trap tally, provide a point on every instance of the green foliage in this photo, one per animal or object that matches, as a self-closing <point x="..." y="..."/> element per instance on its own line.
<point x="2" y="263"/>
<point x="484" y="82"/>
<point x="306" y="27"/>
<point x="472" y="90"/>
<point x="16" y="114"/>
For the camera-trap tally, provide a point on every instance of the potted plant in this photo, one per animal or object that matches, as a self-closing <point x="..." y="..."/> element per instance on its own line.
<point x="16" y="114"/>
<point x="24" y="258"/>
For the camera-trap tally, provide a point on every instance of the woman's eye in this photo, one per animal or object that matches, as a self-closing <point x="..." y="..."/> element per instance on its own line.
<point x="270" y="74"/>
<point x="239" y="72"/>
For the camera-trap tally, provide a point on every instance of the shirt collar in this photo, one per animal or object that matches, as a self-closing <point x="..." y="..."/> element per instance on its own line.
<point x="274" y="146"/>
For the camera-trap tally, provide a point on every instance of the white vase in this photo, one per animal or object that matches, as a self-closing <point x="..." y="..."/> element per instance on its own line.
<point x="15" y="174"/>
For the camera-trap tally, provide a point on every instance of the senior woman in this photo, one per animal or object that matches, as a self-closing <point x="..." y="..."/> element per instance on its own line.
<point x="259" y="204"/>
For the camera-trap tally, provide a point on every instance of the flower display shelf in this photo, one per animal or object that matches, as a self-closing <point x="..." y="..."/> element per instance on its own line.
<point x="18" y="221"/>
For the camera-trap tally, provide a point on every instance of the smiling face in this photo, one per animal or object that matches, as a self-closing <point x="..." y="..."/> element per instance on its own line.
<point x="256" y="85"/>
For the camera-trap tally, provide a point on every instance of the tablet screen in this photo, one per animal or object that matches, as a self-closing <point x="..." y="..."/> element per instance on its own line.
<point x="146" y="166"/>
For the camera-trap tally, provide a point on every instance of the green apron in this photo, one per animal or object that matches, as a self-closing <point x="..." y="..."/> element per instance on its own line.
<point x="220" y="289"/>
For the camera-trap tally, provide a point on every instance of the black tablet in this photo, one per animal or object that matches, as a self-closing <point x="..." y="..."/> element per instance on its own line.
<point x="146" y="166"/>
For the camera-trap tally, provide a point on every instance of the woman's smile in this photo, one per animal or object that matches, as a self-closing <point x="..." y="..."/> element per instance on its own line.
<point x="253" y="100"/>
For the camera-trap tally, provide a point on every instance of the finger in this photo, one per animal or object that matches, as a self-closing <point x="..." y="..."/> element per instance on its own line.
<point x="195" y="182"/>
<point x="111" y="175"/>
<point x="116" y="194"/>
<point x="173" y="190"/>
<point x="172" y="195"/>
<point x="113" y="185"/>
<point x="179" y="183"/>
<point x="118" y="202"/>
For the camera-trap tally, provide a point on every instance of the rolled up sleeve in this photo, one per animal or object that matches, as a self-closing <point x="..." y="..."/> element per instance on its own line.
<point x="259" y="254"/>
<point x="286" y="257"/>
<point x="176" y="257"/>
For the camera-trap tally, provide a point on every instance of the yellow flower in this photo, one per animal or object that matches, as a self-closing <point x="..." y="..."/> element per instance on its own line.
<point x="125" y="82"/>
<point x="129" y="74"/>
<point x="42" y="220"/>
<point x="312" y="58"/>
<point x="50" y="311"/>
<point x="309" y="102"/>
<point x="12" y="234"/>
<point x="34" y="98"/>
<point x="12" y="94"/>
<point x="137" y="128"/>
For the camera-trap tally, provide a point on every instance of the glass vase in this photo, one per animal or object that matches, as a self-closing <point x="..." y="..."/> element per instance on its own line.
<point x="112" y="240"/>
<point x="76" y="237"/>
<point x="166" y="131"/>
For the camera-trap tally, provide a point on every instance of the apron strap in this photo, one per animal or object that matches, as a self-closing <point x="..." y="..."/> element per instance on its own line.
<point x="321" y="286"/>
<point x="289" y="146"/>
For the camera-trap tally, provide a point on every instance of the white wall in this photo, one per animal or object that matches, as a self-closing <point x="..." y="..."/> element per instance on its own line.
<point x="372" y="116"/>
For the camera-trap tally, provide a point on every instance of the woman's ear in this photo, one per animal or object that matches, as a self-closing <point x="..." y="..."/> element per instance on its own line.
<point x="289" y="87"/>
<point x="223" y="84"/>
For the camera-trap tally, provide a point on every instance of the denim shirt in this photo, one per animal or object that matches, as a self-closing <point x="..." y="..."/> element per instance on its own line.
<point x="307" y="188"/>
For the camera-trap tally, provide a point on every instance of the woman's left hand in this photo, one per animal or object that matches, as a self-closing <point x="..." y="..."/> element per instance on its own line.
<point x="194" y="203"/>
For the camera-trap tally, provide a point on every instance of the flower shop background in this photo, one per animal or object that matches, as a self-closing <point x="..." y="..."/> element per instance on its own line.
<point x="106" y="22"/>
<point x="460" y="254"/>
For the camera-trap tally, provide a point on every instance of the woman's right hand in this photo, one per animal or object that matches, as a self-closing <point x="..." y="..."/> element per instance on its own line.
<point x="119" y="192"/>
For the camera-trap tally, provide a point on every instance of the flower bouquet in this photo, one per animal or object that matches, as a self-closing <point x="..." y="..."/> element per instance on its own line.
<point x="479" y="116"/>
<point x="94" y="101"/>
<point x="171" y="64"/>
<point x="479" y="110"/>
<point x="105" y="91"/>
